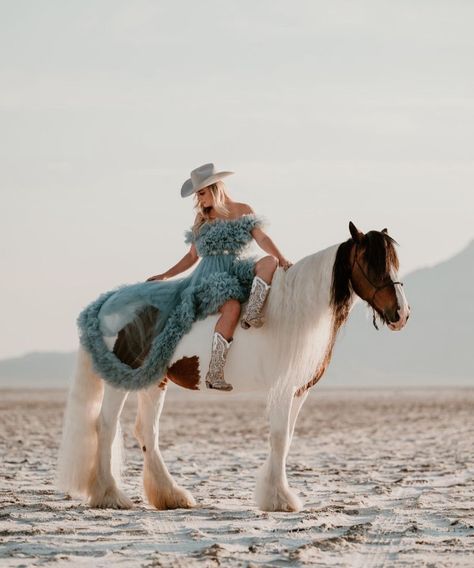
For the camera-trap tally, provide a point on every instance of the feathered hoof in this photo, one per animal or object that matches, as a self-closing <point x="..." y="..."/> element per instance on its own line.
<point x="110" y="498"/>
<point x="175" y="497"/>
<point x="278" y="499"/>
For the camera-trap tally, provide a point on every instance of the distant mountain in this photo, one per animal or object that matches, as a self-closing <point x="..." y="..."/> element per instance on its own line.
<point x="44" y="369"/>
<point x="435" y="347"/>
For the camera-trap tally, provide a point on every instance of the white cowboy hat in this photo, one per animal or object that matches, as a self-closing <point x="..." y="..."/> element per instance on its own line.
<point x="202" y="177"/>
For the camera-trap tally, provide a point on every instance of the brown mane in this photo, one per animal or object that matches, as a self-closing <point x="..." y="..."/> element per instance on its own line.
<point x="380" y="253"/>
<point x="341" y="289"/>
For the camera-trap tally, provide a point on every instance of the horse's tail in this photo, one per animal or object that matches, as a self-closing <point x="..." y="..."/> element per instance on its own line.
<point x="78" y="450"/>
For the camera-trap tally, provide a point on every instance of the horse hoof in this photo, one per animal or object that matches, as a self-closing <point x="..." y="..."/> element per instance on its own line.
<point x="173" y="498"/>
<point x="277" y="499"/>
<point x="111" y="498"/>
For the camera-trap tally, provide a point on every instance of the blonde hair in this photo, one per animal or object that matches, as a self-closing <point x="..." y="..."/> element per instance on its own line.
<point x="220" y="198"/>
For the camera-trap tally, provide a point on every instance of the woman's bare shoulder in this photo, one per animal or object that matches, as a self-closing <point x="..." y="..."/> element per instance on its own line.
<point x="244" y="209"/>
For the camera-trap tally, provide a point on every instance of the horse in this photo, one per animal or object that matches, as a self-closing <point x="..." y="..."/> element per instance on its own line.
<point x="306" y="308"/>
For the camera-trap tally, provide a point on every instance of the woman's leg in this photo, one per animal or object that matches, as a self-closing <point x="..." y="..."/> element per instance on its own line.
<point x="230" y="313"/>
<point x="221" y="342"/>
<point x="264" y="270"/>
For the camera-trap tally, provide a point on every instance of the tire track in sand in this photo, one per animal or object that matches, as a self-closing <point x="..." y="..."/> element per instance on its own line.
<point x="387" y="530"/>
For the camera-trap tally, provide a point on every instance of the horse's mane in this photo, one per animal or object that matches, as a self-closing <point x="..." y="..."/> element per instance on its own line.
<point x="380" y="253"/>
<point x="381" y="257"/>
<point x="341" y="290"/>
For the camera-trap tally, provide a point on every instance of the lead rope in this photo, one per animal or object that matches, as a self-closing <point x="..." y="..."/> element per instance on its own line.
<point x="374" y="321"/>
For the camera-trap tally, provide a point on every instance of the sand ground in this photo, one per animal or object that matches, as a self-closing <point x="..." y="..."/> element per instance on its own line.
<point x="387" y="478"/>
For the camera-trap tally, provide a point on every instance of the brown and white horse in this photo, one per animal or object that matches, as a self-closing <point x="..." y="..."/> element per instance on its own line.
<point x="307" y="306"/>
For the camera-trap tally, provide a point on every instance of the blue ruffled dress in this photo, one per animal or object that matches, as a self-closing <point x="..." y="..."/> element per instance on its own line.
<point x="170" y="307"/>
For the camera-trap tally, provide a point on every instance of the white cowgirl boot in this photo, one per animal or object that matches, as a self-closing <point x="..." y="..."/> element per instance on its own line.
<point x="215" y="375"/>
<point x="253" y="312"/>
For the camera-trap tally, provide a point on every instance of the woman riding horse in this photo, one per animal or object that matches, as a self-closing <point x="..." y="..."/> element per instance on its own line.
<point x="222" y="281"/>
<point x="214" y="204"/>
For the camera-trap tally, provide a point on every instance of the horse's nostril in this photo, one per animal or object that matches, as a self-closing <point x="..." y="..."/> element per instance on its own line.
<point x="396" y="317"/>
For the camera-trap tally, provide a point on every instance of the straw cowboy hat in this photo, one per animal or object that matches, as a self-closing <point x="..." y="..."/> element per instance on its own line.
<point x="202" y="177"/>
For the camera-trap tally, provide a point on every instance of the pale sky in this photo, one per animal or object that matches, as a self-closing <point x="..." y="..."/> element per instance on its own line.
<point x="328" y="111"/>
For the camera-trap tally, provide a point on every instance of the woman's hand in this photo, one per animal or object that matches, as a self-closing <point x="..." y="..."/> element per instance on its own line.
<point x="190" y="258"/>
<point x="284" y="263"/>
<point x="157" y="277"/>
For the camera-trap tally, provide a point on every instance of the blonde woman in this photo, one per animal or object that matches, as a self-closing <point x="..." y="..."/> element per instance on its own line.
<point x="221" y="282"/>
<point x="220" y="248"/>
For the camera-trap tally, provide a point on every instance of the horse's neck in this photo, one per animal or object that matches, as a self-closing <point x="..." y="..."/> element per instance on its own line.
<point x="305" y="290"/>
<point x="300" y="316"/>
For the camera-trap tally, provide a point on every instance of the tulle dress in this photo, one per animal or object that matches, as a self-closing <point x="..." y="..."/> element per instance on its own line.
<point x="161" y="312"/>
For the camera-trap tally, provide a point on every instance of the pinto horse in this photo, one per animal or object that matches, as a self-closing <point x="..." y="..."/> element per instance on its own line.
<point x="307" y="306"/>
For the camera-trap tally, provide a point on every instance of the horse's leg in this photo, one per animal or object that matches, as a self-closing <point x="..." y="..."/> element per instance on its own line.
<point x="272" y="491"/>
<point x="103" y="490"/>
<point x="78" y="449"/>
<point x="160" y="488"/>
<point x="296" y="405"/>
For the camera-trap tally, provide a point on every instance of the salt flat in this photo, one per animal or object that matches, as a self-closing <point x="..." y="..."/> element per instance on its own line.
<point x="387" y="478"/>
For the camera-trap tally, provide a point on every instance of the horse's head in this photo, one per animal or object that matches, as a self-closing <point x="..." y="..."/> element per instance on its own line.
<point x="367" y="264"/>
<point x="374" y="269"/>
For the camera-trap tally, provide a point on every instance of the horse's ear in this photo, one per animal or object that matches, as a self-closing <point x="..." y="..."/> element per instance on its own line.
<point x="385" y="231"/>
<point x="356" y="234"/>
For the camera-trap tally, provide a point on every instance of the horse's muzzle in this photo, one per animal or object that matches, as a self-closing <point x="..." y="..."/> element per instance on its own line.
<point x="399" y="321"/>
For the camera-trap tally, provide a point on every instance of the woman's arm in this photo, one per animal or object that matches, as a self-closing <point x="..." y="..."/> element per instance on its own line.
<point x="186" y="262"/>
<point x="266" y="244"/>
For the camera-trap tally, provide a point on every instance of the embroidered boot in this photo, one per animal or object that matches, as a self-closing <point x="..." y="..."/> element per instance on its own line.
<point x="253" y="312"/>
<point x="215" y="375"/>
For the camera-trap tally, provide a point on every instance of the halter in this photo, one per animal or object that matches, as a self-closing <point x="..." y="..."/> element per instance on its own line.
<point x="374" y="286"/>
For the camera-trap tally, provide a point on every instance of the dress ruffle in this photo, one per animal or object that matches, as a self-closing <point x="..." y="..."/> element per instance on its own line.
<point x="223" y="235"/>
<point x="220" y="276"/>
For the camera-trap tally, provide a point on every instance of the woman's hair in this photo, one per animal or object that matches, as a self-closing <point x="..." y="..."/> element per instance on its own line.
<point x="220" y="196"/>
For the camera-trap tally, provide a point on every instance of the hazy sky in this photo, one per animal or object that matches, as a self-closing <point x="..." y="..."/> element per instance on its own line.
<point x="328" y="111"/>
